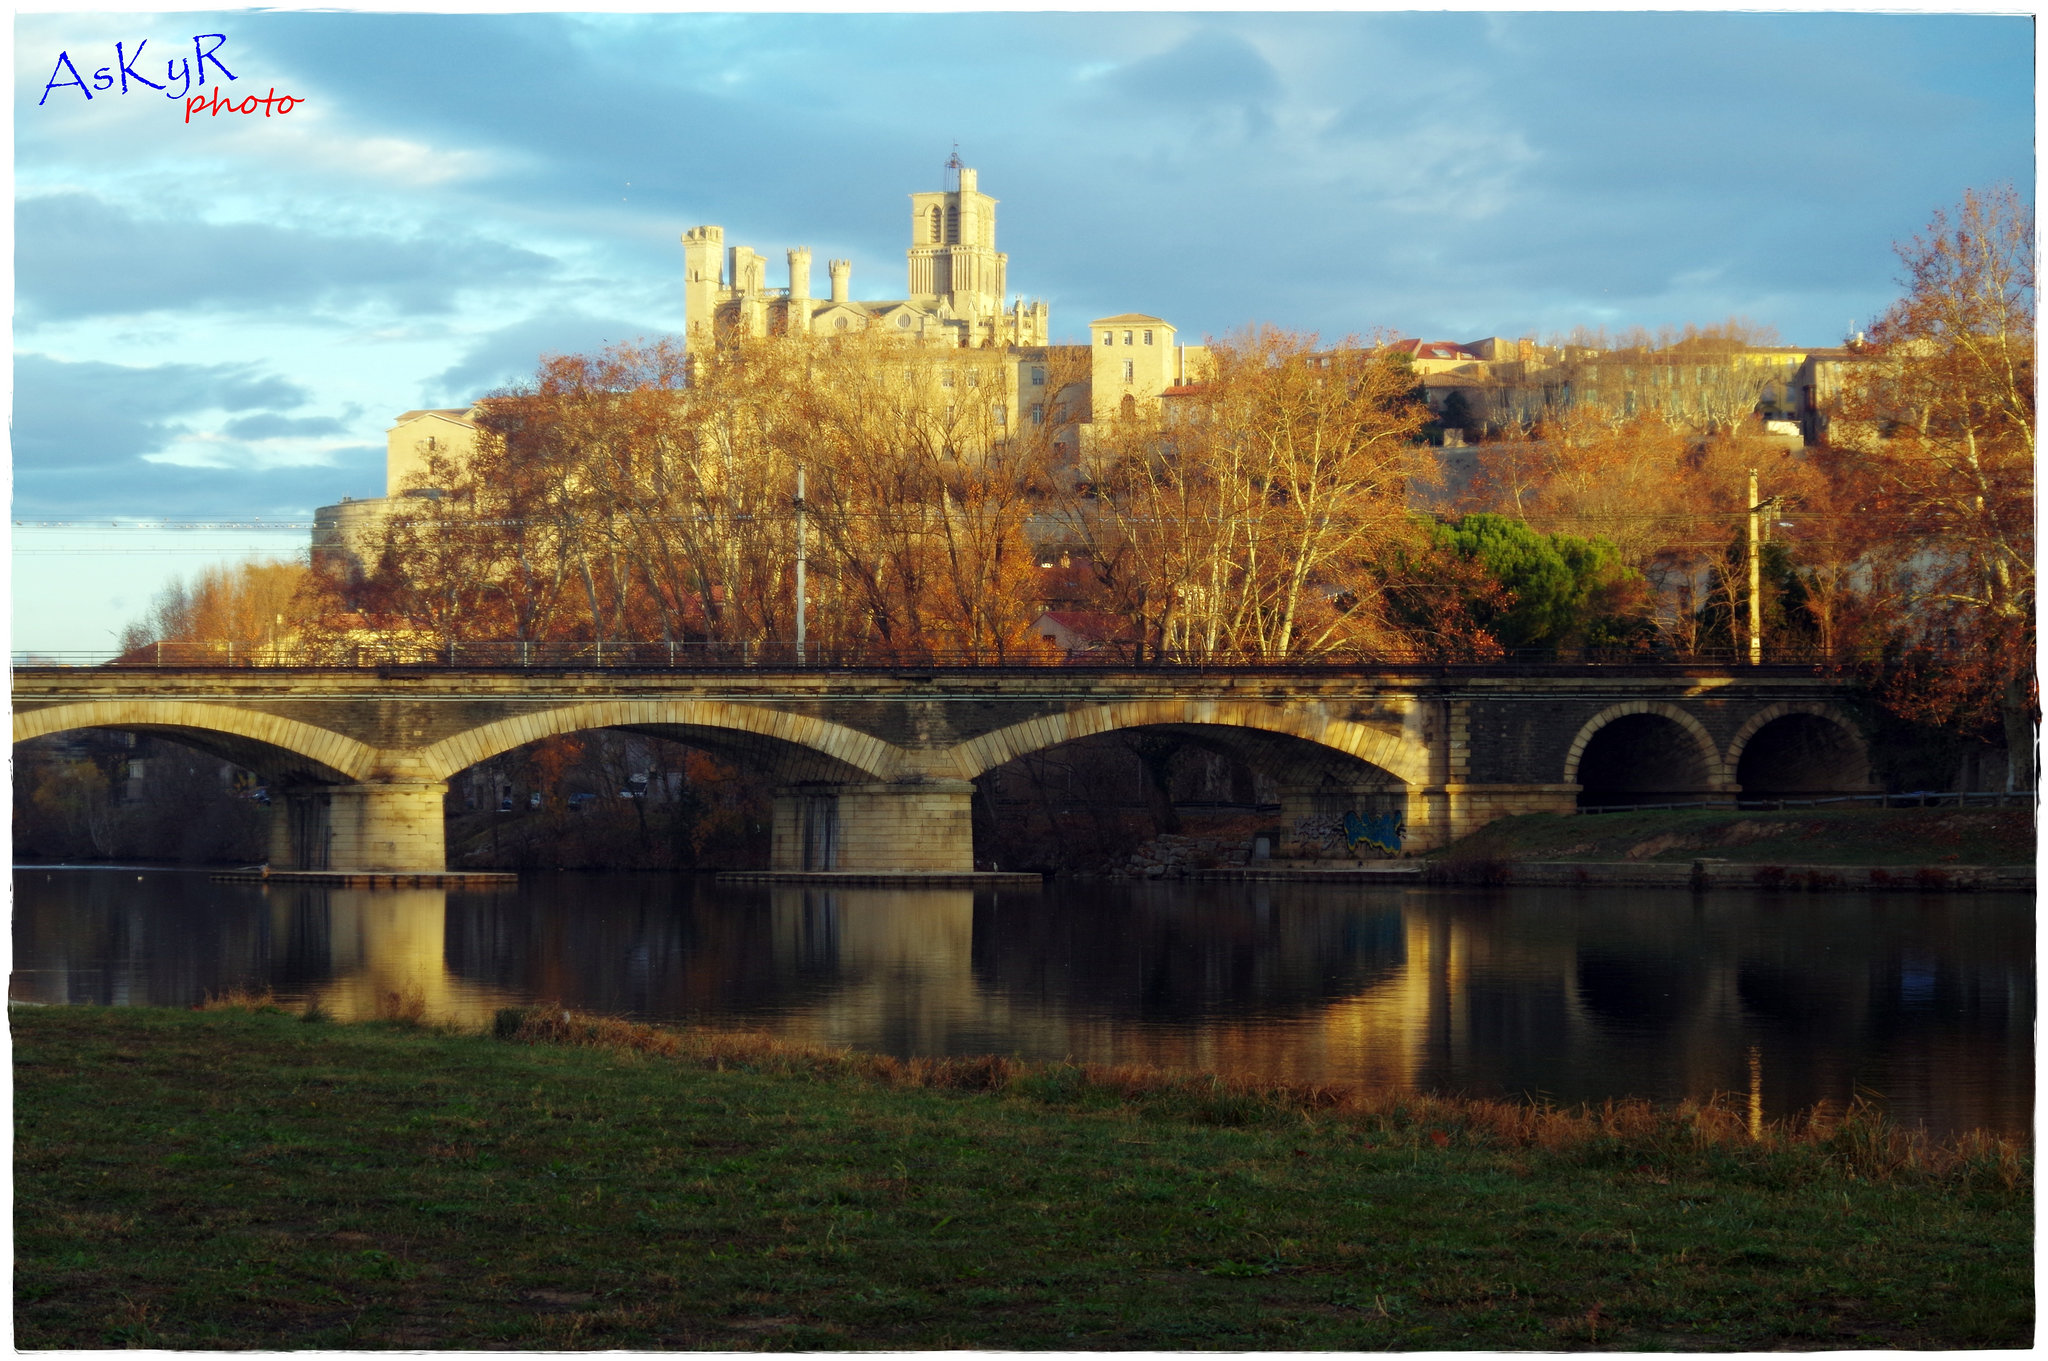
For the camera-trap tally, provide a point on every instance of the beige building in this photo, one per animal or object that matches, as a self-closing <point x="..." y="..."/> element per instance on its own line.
<point x="348" y="533"/>
<point x="955" y="298"/>
<point x="957" y="283"/>
<point x="417" y="437"/>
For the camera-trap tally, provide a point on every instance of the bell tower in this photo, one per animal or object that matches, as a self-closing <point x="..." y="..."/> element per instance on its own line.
<point x="954" y="263"/>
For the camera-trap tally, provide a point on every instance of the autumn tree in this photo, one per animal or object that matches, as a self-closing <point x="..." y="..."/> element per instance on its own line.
<point x="1937" y="423"/>
<point x="255" y="607"/>
<point x="923" y="471"/>
<point x="1243" y="518"/>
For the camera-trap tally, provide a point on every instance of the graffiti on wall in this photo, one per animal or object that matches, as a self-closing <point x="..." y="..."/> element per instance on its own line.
<point x="1344" y="833"/>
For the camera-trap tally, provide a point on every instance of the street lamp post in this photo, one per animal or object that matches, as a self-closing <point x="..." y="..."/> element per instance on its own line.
<point x="799" y="565"/>
<point x="1756" y="610"/>
<point x="1770" y="506"/>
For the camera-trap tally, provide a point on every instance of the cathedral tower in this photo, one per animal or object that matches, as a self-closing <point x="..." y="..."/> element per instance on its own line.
<point x="703" y="268"/>
<point x="955" y="268"/>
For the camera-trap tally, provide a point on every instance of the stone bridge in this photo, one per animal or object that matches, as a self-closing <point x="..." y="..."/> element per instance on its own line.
<point x="873" y="768"/>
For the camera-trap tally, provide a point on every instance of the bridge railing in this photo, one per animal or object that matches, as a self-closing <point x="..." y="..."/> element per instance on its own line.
<point x="637" y="655"/>
<point x="1912" y="798"/>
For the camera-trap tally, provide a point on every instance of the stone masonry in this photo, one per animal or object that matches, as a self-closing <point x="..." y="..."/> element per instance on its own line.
<point x="875" y="766"/>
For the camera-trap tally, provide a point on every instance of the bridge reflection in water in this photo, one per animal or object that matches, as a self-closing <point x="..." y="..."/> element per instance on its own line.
<point x="1576" y="996"/>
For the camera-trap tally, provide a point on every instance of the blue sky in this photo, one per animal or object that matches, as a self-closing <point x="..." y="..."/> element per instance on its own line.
<point x="219" y="319"/>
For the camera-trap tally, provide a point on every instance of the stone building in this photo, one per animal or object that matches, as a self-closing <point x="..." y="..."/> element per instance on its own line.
<point x="956" y="286"/>
<point x="346" y="534"/>
<point x="956" y="298"/>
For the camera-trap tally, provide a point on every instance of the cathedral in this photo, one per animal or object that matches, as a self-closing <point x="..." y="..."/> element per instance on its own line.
<point x="955" y="289"/>
<point x="1130" y="364"/>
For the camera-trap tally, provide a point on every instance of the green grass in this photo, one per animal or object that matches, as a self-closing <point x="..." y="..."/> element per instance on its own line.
<point x="1807" y="836"/>
<point x="249" y="1179"/>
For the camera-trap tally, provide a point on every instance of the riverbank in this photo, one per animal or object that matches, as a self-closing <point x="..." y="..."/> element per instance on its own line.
<point x="249" y="1178"/>
<point x="1863" y="838"/>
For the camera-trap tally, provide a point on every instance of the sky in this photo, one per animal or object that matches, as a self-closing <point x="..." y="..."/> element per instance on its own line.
<point x="217" y="315"/>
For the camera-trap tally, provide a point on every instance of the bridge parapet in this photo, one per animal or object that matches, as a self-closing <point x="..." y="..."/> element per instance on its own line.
<point x="875" y="765"/>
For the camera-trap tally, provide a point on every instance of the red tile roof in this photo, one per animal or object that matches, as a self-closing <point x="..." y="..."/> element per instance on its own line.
<point x="1434" y="349"/>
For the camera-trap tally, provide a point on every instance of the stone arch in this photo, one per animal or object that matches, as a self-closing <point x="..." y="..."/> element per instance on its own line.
<point x="277" y="746"/>
<point x="1843" y="769"/>
<point x="794" y="747"/>
<point x="1710" y="771"/>
<point x="1401" y="757"/>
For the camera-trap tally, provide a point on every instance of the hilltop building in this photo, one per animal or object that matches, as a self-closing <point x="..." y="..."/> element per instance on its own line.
<point x="955" y="298"/>
<point x="956" y="287"/>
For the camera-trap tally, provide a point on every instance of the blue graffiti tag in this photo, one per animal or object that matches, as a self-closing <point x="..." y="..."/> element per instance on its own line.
<point x="1381" y="830"/>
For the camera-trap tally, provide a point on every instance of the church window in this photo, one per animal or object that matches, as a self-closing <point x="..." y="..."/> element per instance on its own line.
<point x="1038" y="375"/>
<point x="1130" y="371"/>
<point x="1148" y="337"/>
<point x="839" y="324"/>
<point x="952" y="224"/>
<point x="936" y="236"/>
<point x="1038" y="413"/>
<point x="903" y="320"/>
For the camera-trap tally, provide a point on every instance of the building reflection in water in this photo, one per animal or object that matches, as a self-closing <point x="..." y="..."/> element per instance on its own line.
<point x="1926" y="1002"/>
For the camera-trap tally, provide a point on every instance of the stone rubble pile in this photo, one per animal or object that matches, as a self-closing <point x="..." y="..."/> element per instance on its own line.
<point x="1172" y="856"/>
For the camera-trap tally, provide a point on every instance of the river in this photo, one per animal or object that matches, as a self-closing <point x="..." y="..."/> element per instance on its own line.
<point x="1924" y="1002"/>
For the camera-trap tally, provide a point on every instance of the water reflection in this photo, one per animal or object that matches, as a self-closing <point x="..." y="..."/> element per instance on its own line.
<point x="1926" y="1001"/>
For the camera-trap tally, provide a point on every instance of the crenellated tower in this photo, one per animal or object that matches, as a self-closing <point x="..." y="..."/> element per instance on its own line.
<point x="956" y="293"/>
<point x="703" y="280"/>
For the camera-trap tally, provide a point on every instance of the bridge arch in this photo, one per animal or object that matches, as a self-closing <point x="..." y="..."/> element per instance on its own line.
<point x="278" y="747"/>
<point x="793" y="748"/>
<point x="1800" y="747"/>
<point x="1399" y="756"/>
<point x="1647" y="748"/>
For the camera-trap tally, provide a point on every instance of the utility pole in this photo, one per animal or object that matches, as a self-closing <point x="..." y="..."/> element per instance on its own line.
<point x="1756" y="608"/>
<point x="801" y="547"/>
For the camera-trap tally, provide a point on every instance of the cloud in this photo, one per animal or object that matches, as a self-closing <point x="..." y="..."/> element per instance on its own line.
<point x="272" y="426"/>
<point x="91" y="415"/>
<point x="1209" y="68"/>
<point x="173" y="489"/>
<point x="78" y="255"/>
<point x="513" y="353"/>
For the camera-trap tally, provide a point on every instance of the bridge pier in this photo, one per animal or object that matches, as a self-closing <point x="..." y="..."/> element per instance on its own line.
<point x="385" y="826"/>
<point x="925" y="825"/>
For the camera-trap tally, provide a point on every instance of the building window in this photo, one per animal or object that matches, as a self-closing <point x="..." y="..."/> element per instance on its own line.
<point x="1127" y="337"/>
<point x="1038" y="375"/>
<point x="1109" y="337"/>
<point x="936" y="236"/>
<point x="1130" y="406"/>
<point x="1038" y="413"/>
<point x="1148" y="337"/>
<point x="1130" y="371"/>
<point x="1002" y="414"/>
<point x="974" y="378"/>
<point x="945" y="378"/>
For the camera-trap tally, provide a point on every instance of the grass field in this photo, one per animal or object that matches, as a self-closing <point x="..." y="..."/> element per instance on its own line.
<point x="246" y="1178"/>
<point x="1805" y="836"/>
